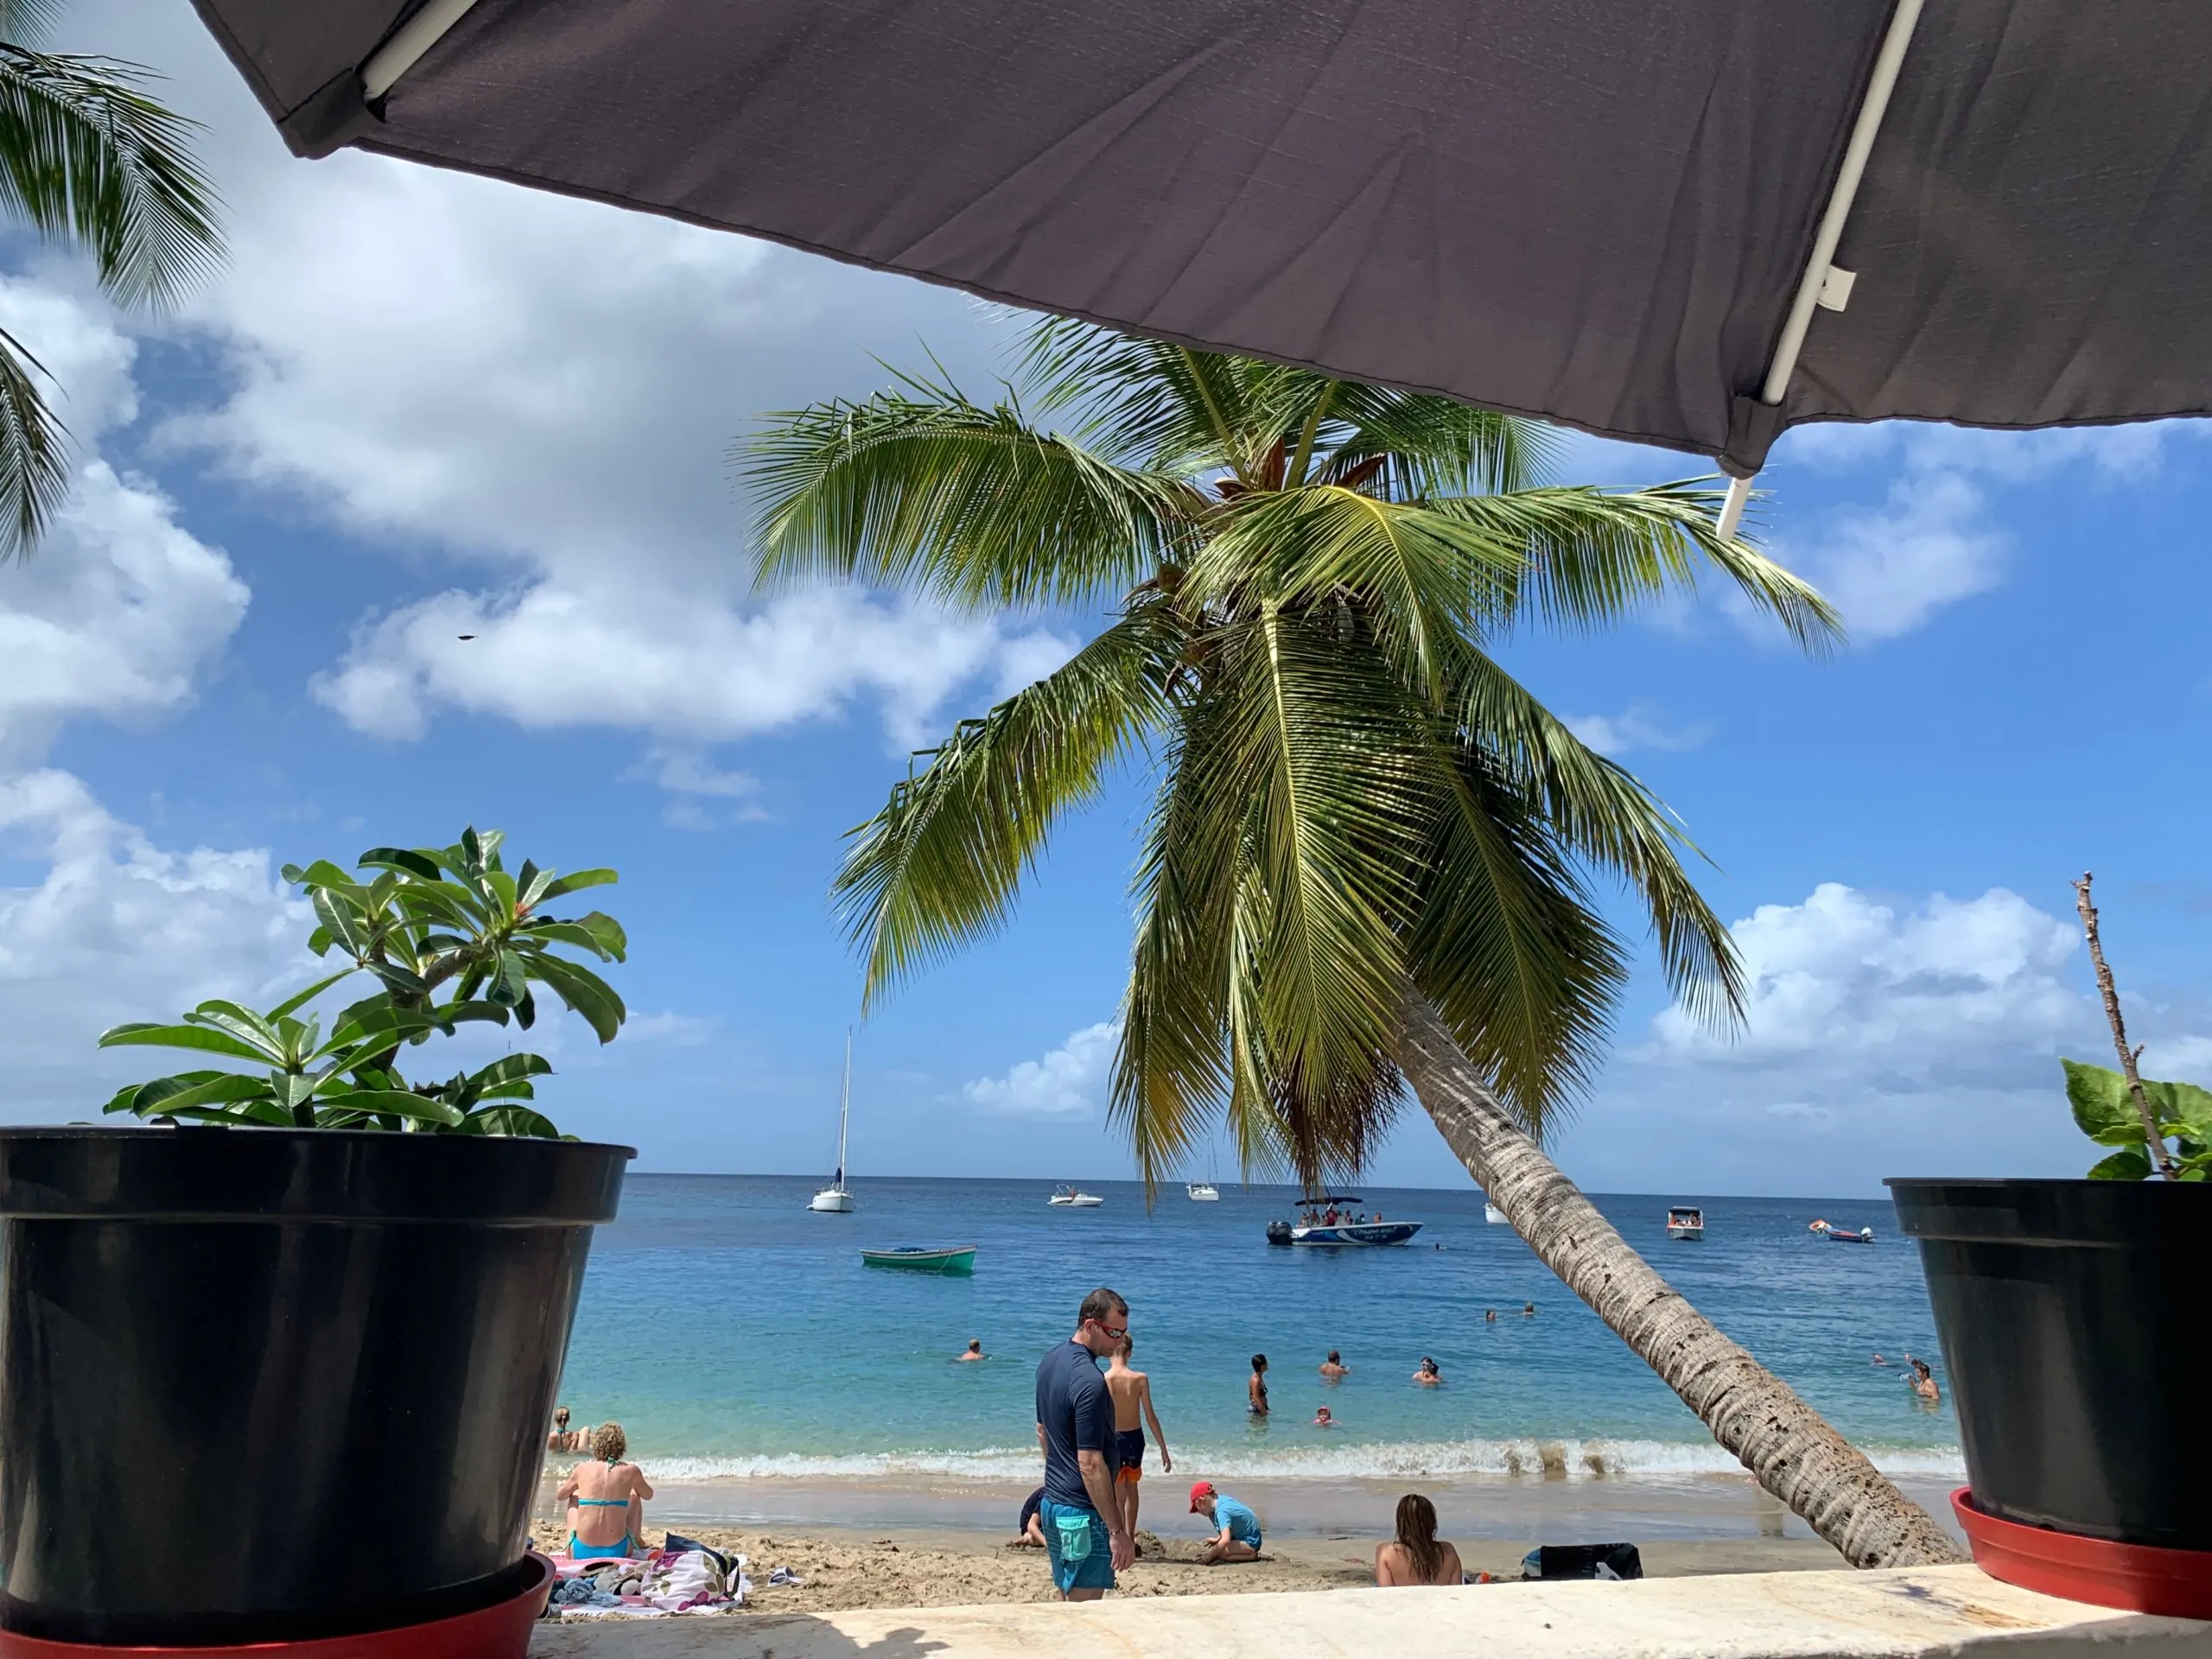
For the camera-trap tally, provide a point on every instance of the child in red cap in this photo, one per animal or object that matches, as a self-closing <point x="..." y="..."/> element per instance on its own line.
<point x="1238" y="1529"/>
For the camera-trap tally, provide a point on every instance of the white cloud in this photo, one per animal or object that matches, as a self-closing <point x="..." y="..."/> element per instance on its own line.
<point x="116" y="614"/>
<point x="677" y="1030"/>
<point x="645" y="660"/>
<point x="1881" y="1037"/>
<point x="550" y="388"/>
<point x="1854" y="989"/>
<point x="1931" y="543"/>
<point x="1070" y="1081"/>
<point x="116" y="928"/>
<point x="1936" y="539"/>
<point x="1634" y="728"/>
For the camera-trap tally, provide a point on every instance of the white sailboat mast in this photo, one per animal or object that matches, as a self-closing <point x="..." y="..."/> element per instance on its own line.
<point x="845" y="1107"/>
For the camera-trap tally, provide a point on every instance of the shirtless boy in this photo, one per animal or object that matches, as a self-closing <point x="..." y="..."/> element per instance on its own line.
<point x="1133" y="1412"/>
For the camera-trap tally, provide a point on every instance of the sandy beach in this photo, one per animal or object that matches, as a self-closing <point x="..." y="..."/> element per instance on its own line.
<point x="945" y="1543"/>
<point x="920" y="1567"/>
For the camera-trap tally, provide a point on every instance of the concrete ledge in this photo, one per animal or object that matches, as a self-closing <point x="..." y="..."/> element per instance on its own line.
<point x="1889" y="1615"/>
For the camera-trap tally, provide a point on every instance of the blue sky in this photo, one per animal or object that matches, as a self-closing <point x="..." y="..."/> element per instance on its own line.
<point x="418" y="406"/>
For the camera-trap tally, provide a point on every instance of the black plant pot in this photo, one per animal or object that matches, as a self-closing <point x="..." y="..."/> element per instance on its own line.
<point x="2073" y="1320"/>
<point x="273" y="1384"/>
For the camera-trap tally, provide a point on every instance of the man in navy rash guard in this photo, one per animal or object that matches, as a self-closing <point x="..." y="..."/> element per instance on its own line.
<point x="1083" y="1534"/>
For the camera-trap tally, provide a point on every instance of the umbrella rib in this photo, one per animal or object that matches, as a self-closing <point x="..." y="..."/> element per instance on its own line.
<point x="405" y="48"/>
<point x="1872" y="108"/>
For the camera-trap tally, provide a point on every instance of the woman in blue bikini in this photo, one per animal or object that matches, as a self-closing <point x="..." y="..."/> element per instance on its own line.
<point x="607" y="1500"/>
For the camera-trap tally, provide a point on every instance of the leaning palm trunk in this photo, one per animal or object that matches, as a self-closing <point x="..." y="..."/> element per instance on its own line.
<point x="1785" y="1444"/>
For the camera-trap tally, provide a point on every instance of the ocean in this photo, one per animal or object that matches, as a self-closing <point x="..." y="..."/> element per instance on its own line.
<point x="738" y="1339"/>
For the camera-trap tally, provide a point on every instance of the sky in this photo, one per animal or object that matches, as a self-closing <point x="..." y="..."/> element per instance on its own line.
<point x="416" y="405"/>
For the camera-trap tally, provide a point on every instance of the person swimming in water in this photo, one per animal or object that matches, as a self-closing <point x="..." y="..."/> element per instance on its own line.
<point x="975" y="1352"/>
<point x="1425" y="1373"/>
<point x="1323" y="1420"/>
<point x="1133" y="1412"/>
<point x="1334" y="1367"/>
<point x="1924" y="1380"/>
<point x="1255" y="1389"/>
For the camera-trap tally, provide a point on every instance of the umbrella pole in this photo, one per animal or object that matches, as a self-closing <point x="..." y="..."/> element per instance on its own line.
<point x="1822" y="283"/>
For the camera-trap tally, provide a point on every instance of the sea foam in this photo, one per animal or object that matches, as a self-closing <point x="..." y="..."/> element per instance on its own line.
<point x="1571" y="1459"/>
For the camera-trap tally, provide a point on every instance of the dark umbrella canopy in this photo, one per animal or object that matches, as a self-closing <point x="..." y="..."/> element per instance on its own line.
<point x="1596" y="211"/>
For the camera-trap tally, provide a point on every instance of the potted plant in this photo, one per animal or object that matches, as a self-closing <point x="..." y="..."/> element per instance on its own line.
<point x="2072" y="1323"/>
<point x="276" y="1366"/>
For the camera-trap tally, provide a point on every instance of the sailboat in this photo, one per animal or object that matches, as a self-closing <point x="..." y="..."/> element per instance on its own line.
<point x="1206" y="1192"/>
<point x="834" y="1199"/>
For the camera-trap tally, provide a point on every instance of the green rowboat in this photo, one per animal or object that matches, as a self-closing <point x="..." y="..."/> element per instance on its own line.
<point x="958" y="1259"/>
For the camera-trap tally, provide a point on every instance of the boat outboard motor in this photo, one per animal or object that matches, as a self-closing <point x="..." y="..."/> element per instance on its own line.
<point x="1278" y="1232"/>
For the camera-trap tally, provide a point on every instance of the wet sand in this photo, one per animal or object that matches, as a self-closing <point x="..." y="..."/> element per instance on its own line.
<point x="1645" y="1511"/>
<point x="924" y="1567"/>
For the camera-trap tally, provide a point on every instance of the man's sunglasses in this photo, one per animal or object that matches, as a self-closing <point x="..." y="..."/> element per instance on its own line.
<point x="1116" y="1332"/>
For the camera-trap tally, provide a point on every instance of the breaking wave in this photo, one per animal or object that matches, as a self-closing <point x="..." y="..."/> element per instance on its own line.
<point x="1571" y="1459"/>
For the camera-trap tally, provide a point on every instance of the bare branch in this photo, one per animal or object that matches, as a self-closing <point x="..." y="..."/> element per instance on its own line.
<point x="2127" y="1056"/>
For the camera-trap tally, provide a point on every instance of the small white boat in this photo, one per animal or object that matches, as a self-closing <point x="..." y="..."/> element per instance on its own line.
<point x="1493" y="1215"/>
<point x="834" y="1199"/>
<point x="1070" y="1197"/>
<point x="1685" y="1221"/>
<point x="1204" y="1193"/>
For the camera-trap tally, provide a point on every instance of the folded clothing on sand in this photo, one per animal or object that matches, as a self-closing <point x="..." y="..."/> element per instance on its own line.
<point x="694" y="1581"/>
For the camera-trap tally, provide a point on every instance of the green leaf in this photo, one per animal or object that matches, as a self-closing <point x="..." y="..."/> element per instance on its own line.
<point x="580" y="934"/>
<point x="403" y="980"/>
<point x="507" y="984"/>
<point x="584" y="992"/>
<point x="320" y="873"/>
<point x="398" y="1103"/>
<point x="510" y="1069"/>
<point x="294" y="1004"/>
<point x="203" y="1037"/>
<point x="2103" y="1108"/>
<point x="398" y="858"/>
<point x="520" y="1120"/>
<point x="2131" y="1164"/>
<point x="2186" y="1107"/>
<point x="576" y="883"/>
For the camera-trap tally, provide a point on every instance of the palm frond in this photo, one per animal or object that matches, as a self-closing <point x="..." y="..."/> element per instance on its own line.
<point x="973" y="506"/>
<point x="88" y="158"/>
<point x="1171" y="1074"/>
<point x="1508" y="944"/>
<point x="1413" y="446"/>
<point x="1164" y="407"/>
<point x="939" y="866"/>
<point x="1595" y="555"/>
<point x="1420" y="574"/>
<point x="27" y="23"/>
<point x="1312" y="723"/>
<point x="34" y="453"/>
<point x="1600" y="815"/>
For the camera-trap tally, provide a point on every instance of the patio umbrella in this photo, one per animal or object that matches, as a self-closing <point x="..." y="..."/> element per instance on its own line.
<point x="1624" y="215"/>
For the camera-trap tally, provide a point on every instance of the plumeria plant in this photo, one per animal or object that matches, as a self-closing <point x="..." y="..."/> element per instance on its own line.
<point x="2125" y="1109"/>
<point x="452" y="936"/>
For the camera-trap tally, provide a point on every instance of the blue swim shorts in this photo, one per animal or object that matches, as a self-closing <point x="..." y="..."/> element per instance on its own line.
<point x="1075" y="1538"/>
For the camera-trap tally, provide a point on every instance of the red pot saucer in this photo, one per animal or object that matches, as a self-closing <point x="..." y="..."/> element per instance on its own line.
<point x="2140" y="1577"/>
<point x="500" y="1632"/>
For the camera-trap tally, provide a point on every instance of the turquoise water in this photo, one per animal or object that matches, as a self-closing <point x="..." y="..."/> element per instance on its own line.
<point x="733" y="1332"/>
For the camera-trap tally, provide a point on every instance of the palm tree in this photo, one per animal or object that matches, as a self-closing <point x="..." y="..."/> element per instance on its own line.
<point x="1370" y="856"/>
<point x="89" y="160"/>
